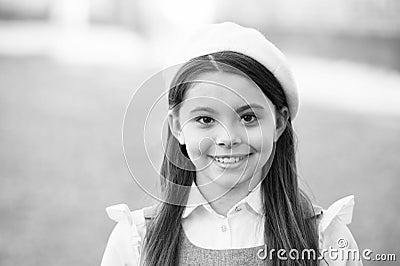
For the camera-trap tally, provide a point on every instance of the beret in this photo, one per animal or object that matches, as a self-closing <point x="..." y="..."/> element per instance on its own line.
<point x="229" y="36"/>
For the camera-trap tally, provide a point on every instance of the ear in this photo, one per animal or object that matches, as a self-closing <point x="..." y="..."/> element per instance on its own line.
<point x="282" y="117"/>
<point x="175" y="127"/>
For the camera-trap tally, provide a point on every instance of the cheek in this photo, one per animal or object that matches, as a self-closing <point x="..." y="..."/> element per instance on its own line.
<point x="197" y="144"/>
<point x="261" y="137"/>
<point x="262" y="141"/>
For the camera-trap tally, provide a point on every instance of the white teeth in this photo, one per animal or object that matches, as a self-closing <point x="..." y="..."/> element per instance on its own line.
<point x="228" y="159"/>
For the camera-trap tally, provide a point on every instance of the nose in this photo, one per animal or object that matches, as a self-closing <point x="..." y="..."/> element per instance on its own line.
<point x="228" y="137"/>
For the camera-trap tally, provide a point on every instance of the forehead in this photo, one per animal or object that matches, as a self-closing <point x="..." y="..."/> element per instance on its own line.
<point x="225" y="89"/>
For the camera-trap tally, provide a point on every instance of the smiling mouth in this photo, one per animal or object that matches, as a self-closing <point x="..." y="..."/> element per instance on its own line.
<point x="230" y="159"/>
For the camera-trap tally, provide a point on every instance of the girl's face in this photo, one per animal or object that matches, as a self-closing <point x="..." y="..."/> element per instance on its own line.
<point x="228" y="127"/>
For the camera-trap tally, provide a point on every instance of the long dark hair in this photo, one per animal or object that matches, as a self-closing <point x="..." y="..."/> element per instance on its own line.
<point x="289" y="222"/>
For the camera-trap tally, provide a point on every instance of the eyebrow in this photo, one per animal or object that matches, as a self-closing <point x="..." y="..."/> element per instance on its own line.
<point x="251" y="106"/>
<point x="238" y="110"/>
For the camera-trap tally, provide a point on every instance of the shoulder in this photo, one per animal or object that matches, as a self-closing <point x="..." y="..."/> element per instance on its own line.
<point x="134" y="221"/>
<point x="127" y="236"/>
<point x="334" y="233"/>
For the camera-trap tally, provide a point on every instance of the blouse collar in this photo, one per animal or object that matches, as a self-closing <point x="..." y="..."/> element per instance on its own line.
<point x="196" y="199"/>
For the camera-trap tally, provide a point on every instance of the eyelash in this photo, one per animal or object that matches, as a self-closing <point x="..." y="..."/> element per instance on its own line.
<point x="252" y="115"/>
<point x="199" y="118"/>
<point x="202" y="117"/>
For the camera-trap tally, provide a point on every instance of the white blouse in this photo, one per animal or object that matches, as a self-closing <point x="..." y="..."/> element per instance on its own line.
<point x="241" y="228"/>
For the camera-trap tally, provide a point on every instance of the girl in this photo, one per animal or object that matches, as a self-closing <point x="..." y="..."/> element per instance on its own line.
<point x="229" y="178"/>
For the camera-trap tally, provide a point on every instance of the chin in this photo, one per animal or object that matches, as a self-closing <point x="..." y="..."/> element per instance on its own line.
<point x="231" y="181"/>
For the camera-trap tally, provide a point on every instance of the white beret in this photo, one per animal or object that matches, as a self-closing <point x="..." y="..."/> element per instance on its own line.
<point x="229" y="36"/>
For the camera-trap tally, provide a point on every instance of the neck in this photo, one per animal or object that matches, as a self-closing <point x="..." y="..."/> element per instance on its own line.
<point x="220" y="197"/>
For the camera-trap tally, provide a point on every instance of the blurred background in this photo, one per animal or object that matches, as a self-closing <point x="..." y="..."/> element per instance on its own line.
<point x="69" y="67"/>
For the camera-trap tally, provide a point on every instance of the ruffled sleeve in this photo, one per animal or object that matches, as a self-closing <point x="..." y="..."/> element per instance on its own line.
<point x="124" y="243"/>
<point x="337" y="245"/>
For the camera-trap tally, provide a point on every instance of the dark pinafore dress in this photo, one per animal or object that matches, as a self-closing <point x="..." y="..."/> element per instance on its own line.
<point x="191" y="254"/>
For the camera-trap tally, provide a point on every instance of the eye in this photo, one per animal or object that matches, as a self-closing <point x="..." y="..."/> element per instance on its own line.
<point x="249" y="118"/>
<point x="205" y="120"/>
